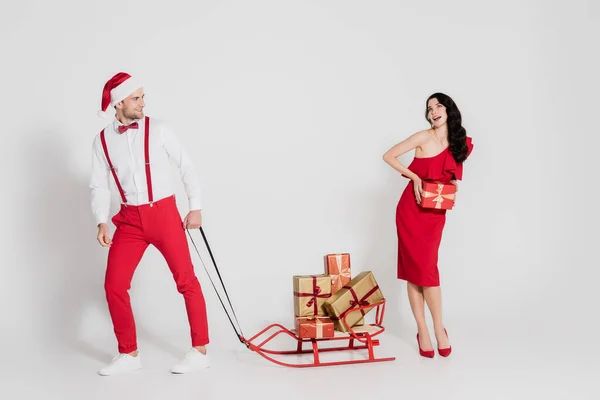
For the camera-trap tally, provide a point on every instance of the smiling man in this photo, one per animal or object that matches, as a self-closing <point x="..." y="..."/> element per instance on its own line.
<point x="137" y="152"/>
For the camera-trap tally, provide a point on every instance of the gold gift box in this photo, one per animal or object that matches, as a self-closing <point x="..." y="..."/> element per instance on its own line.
<point x="362" y="290"/>
<point x="310" y="292"/>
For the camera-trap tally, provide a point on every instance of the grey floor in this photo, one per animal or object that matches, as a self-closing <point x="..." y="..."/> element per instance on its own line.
<point x="490" y="360"/>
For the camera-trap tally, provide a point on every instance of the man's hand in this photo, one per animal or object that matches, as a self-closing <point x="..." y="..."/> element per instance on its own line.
<point x="104" y="236"/>
<point x="193" y="220"/>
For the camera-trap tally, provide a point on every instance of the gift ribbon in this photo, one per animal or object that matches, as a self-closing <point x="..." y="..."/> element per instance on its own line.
<point x="438" y="196"/>
<point x="312" y="302"/>
<point x="318" y="325"/>
<point x="336" y="276"/>
<point x="356" y="302"/>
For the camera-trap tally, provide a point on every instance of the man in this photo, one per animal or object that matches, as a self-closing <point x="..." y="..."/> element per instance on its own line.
<point x="136" y="151"/>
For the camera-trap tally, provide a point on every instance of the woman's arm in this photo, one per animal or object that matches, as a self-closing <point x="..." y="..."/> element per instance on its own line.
<point x="410" y="143"/>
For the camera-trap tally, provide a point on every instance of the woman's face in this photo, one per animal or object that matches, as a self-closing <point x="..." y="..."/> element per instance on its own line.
<point x="436" y="113"/>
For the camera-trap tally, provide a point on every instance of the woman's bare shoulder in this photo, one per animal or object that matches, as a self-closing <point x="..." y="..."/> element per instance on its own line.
<point x="423" y="136"/>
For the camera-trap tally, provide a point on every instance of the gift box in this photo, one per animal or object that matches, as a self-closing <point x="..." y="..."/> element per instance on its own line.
<point x="310" y="292"/>
<point x="338" y="267"/>
<point x="438" y="195"/>
<point x="362" y="290"/>
<point x="314" y="327"/>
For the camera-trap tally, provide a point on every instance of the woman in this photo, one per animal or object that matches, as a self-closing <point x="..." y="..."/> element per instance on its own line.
<point x="439" y="155"/>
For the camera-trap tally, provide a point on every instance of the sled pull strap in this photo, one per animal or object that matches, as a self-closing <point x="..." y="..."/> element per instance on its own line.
<point x="240" y="334"/>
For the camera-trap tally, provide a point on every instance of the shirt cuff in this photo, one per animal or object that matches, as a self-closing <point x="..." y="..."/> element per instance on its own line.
<point x="101" y="219"/>
<point x="195" y="204"/>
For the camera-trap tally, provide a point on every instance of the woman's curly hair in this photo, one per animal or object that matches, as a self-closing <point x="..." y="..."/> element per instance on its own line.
<point x="457" y="135"/>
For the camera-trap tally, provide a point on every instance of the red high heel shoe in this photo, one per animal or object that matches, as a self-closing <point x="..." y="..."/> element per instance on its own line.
<point x="445" y="352"/>
<point x="423" y="353"/>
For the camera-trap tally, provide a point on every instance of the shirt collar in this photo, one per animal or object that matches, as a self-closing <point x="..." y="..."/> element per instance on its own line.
<point x="117" y="123"/>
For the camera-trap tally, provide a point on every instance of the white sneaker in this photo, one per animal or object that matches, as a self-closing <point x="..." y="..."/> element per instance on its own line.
<point x="193" y="360"/>
<point x="121" y="363"/>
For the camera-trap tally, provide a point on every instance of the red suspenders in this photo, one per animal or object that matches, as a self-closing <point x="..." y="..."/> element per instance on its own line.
<point x="147" y="158"/>
<point x="112" y="168"/>
<point x="146" y="161"/>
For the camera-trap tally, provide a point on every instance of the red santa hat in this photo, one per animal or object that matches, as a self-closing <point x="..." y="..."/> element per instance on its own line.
<point x="116" y="89"/>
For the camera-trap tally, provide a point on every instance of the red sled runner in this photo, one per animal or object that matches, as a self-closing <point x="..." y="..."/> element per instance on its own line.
<point x="357" y="337"/>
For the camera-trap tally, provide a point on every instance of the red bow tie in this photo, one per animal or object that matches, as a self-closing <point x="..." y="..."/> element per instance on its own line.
<point x="123" y="128"/>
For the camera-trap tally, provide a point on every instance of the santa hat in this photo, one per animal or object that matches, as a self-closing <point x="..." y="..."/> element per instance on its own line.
<point x="116" y="89"/>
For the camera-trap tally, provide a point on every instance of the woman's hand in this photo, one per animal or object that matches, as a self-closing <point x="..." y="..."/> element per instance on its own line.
<point x="455" y="183"/>
<point x="418" y="188"/>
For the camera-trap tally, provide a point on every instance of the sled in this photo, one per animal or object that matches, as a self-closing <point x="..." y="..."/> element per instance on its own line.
<point x="355" y="339"/>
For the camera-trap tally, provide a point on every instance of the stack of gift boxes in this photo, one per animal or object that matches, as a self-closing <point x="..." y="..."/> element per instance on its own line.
<point x="322" y="301"/>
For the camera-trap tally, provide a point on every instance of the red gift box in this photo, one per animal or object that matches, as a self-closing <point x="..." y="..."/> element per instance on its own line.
<point x="314" y="327"/>
<point x="438" y="195"/>
<point x="338" y="267"/>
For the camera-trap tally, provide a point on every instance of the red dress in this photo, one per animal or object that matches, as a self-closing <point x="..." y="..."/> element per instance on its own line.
<point x="420" y="229"/>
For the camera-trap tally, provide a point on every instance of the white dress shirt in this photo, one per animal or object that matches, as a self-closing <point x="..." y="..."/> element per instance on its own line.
<point x="126" y="152"/>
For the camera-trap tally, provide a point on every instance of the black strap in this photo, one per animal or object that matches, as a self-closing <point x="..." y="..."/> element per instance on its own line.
<point x="239" y="335"/>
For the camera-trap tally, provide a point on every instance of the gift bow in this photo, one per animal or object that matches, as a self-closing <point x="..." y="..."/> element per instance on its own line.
<point x="356" y="302"/>
<point x="313" y="299"/>
<point x="341" y="272"/>
<point x="318" y="325"/>
<point x="439" y="197"/>
<point x="316" y="292"/>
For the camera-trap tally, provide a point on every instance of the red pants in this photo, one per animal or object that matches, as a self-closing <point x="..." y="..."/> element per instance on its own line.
<point x="138" y="227"/>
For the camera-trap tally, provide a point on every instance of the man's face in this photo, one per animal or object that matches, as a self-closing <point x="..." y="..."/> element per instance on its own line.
<point x="133" y="106"/>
